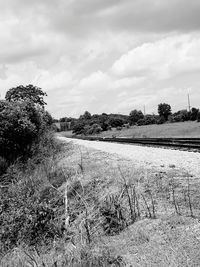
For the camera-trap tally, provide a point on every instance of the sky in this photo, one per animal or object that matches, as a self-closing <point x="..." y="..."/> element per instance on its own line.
<point x="108" y="56"/>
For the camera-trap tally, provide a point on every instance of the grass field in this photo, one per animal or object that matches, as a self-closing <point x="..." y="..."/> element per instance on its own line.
<point x="180" y="129"/>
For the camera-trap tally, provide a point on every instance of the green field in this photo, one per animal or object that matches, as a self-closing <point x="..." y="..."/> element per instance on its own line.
<point x="179" y="129"/>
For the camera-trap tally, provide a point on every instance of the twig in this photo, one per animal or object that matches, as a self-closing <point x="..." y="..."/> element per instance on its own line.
<point x="147" y="206"/>
<point x="129" y="198"/>
<point x="189" y="199"/>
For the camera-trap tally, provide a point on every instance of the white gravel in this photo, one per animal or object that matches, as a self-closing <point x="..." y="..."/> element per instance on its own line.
<point x="150" y="157"/>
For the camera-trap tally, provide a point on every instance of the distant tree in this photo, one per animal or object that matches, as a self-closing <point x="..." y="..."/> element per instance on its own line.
<point x="30" y="93"/>
<point x="115" y="122"/>
<point x="135" y="115"/>
<point x="64" y="119"/>
<point x="87" y="115"/>
<point x="198" y="117"/>
<point x="181" y="115"/>
<point x="193" y="114"/>
<point x="94" y="129"/>
<point x="164" y="110"/>
<point x="78" y="128"/>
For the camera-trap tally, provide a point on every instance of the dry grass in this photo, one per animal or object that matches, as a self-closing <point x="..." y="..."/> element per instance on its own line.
<point x="170" y="239"/>
<point x="119" y="214"/>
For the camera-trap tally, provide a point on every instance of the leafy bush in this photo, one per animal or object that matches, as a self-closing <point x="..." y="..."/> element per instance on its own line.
<point x="22" y="121"/>
<point x="164" y="110"/>
<point x="112" y="212"/>
<point x="198" y="117"/>
<point x="3" y="166"/>
<point x="161" y="120"/>
<point x="115" y="122"/>
<point x="30" y="203"/>
<point x="193" y="114"/>
<point x="94" y="129"/>
<point x="135" y="116"/>
<point x="79" y="128"/>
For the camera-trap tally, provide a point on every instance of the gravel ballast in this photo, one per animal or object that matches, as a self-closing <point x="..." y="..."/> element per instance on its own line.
<point x="149" y="157"/>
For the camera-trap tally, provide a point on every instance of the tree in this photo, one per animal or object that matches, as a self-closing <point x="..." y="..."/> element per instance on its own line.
<point x="18" y="128"/>
<point x="23" y="120"/>
<point x="30" y="93"/>
<point x="135" y="115"/>
<point x="164" y="110"/>
<point x="86" y="116"/>
<point x="193" y="114"/>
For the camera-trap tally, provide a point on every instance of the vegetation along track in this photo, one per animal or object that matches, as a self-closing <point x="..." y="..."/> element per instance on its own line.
<point x="179" y="143"/>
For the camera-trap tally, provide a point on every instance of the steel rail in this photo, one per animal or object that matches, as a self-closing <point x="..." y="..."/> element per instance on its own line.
<point x="189" y="143"/>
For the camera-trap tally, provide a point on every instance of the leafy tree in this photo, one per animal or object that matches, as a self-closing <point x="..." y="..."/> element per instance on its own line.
<point x="86" y="116"/>
<point x="164" y="110"/>
<point x="116" y="122"/>
<point x="26" y="93"/>
<point x="135" y="115"/>
<point x="94" y="129"/>
<point x="19" y="126"/>
<point x="198" y="117"/>
<point x="23" y="120"/>
<point x="79" y="128"/>
<point x="193" y="114"/>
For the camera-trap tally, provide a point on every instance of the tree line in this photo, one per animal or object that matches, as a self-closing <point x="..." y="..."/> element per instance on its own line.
<point x="92" y="124"/>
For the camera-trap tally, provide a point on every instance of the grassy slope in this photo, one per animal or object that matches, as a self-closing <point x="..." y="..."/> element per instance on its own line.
<point x="167" y="240"/>
<point x="181" y="129"/>
<point x="94" y="180"/>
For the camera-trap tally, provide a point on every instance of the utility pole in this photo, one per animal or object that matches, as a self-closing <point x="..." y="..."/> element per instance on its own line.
<point x="189" y="101"/>
<point x="144" y="110"/>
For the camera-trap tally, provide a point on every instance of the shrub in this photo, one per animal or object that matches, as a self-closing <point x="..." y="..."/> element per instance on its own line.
<point x="79" y="128"/>
<point x="198" y="117"/>
<point x="94" y="129"/>
<point x="23" y="120"/>
<point x="3" y="166"/>
<point x="161" y="120"/>
<point x="115" y="122"/>
<point x="164" y="110"/>
<point x="193" y="114"/>
<point x="112" y="212"/>
<point x="135" y="116"/>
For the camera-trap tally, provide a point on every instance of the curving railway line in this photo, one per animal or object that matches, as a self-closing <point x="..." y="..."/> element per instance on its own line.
<point x="178" y="143"/>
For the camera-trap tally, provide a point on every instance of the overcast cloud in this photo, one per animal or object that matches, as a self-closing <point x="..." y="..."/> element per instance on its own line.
<point x="102" y="55"/>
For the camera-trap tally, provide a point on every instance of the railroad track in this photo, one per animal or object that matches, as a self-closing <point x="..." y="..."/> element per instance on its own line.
<point x="186" y="143"/>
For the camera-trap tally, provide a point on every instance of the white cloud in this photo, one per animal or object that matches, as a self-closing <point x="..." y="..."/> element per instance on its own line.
<point x="101" y="55"/>
<point x="161" y="59"/>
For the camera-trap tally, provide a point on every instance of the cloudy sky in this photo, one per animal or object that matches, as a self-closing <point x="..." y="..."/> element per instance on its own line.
<point x="102" y="55"/>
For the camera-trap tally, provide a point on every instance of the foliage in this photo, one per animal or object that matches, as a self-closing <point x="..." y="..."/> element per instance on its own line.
<point x="26" y="93"/>
<point x="23" y="120"/>
<point x="164" y="110"/>
<point x="112" y="211"/>
<point x="79" y="128"/>
<point x="198" y="117"/>
<point x="93" y="129"/>
<point x="116" y="122"/>
<point x="193" y="114"/>
<point x="181" y="115"/>
<point x="135" y="115"/>
<point x="30" y="205"/>
<point x="86" y="116"/>
<point x="161" y="120"/>
<point x="148" y="119"/>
